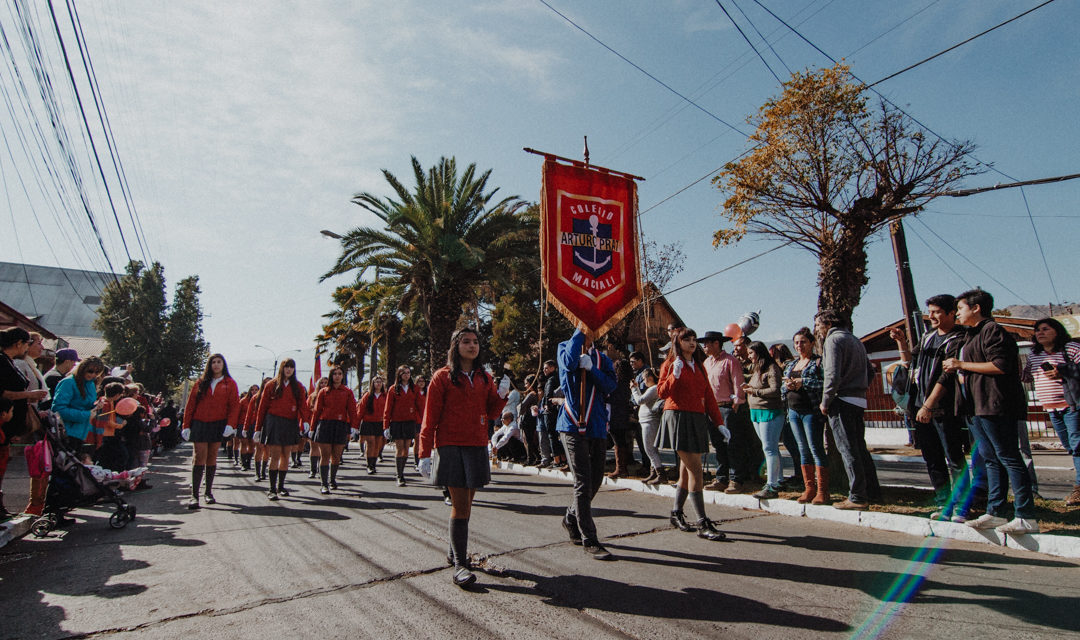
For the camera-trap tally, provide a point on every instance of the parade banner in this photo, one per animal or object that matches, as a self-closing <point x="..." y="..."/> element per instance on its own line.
<point x="589" y="244"/>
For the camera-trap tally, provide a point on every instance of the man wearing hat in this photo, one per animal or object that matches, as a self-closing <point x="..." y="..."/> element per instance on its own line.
<point x="726" y="378"/>
<point x="66" y="359"/>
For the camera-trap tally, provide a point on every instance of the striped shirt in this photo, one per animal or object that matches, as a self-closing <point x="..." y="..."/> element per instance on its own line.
<point x="1050" y="393"/>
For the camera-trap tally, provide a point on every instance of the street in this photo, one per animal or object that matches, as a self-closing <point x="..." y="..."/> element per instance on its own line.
<point x="372" y="566"/>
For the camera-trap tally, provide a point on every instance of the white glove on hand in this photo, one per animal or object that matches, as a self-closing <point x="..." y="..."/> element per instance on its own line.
<point x="228" y="432"/>
<point x="245" y="433"/>
<point x="504" y="386"/>
<point x="425" y="467"/>
<point x="186" y="434"/>
<point x="724" y="431"/>
<point x="585" y="362"/>
<point x="307" y="430"/>
<point x="257" y="436"/>
<point x="676" y="369"/>
<point x="386" y="434"/>
<point x="354" y="432"/>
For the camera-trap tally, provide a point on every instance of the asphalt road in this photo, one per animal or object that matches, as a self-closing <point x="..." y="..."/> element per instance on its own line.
<point x="369" y="563"/>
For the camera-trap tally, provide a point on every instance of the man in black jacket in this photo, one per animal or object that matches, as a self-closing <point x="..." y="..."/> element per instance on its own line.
<point x="988" y="372"/>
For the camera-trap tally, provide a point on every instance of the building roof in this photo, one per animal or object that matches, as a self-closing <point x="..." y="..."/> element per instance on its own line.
<point x="10" y="317"/>
<point x="64" y="300"/>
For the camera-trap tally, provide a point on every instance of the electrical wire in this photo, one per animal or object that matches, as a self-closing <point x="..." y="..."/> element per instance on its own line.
<point x="760" y="57"/>
<point x="763" y="38"/>
<point x="960" y="44"/>
<point x="945" y="262"/>
<point x="727" y="268"/>
<point x="968" y="260"/>
<point x="1038" y="241"/>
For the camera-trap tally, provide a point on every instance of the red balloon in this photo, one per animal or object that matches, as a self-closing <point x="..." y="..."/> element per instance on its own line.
<point x="733" y="331"/>
<point x="127" y="406"/>
<point x="164" y="422"/>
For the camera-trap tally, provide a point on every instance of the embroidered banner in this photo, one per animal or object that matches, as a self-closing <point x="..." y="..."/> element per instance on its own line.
<point x="589" y="244"/>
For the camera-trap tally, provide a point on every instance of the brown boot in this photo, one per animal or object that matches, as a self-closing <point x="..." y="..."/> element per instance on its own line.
<point x="38" y="487"/>
<point x="1074" y="498"/>
<point x="810" y="482"/>
<point x="821" y="476"/>
<point x="659" y="478"/>
<point x="621" y="458"/>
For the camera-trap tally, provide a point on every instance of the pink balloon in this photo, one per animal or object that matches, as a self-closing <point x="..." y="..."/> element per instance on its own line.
<point x="733" y="331"/>
<point x="127" y="406"/>
<point x="165" y="422"/>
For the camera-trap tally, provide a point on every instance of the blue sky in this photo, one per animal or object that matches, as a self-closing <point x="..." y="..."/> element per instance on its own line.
<point x="245" y="128"/>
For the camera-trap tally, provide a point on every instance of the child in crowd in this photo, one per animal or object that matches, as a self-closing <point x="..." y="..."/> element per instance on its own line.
<point x="124" y="479"/>
<point x="507" y="443"/>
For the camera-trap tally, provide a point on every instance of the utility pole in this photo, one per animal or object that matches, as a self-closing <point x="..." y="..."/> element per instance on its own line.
<point x="913" y="321"/>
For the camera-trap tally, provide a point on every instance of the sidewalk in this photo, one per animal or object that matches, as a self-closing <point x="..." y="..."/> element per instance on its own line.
<point x="1055" y="545"/>
<point x="16" y="495"/>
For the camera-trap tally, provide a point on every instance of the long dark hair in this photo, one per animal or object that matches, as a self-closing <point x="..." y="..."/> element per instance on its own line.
<point x="208" y="375"/>
<point x="453" y="357"/>
<point x="371" y="392"/>
<point x="330" y="378"/>
<point x="397" y="377"/>
<point x="676" y="351"/>
<point x="91" y="364"/>
<point x="624" y="373"/>
<point x="279" y="381"/>
<point x="765" y="360"/>
<point x="1061" y="337"/>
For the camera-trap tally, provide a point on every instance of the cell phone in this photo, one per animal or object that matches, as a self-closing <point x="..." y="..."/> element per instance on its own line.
<point x="1046" y="366"/>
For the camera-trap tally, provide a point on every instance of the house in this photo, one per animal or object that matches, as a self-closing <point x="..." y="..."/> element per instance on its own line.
<point x="638" y="333"/>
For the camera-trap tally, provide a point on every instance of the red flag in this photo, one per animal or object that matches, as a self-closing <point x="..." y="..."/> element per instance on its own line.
<point x="315" y="374"/>
<point x="589" y="244"/>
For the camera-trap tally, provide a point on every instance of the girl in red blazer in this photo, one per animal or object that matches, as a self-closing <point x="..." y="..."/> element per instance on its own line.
<point x="307" y="437"/>
<point x="251" y="425"/>
<point x="372" y="407"/>
<point x="334" y="417"/>
<point x="460" y="400"/>
<point x="400" y="417"/>
<point x="211" y="413"/>
<point x="688" y="405"/>
<point x="283" y="415"/>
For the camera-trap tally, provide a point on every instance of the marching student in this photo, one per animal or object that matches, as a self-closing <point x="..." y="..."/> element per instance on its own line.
<point x="308" y="436"/>
<point x="283" y="416"/>
<point x="333" y="417"/>
<point x="421" y="388"/>
<point x="399" y="418"/>
<point x="247" y="447"/>
<point x="460" y="398"/>
<point x="688" y="406"/>
<point x="262" y="458"/>
<point x="372" y="407"/>
<point x="212" y="409"/>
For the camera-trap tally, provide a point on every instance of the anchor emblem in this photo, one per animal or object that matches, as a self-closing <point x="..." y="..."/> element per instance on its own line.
<point x="597" y="262"/>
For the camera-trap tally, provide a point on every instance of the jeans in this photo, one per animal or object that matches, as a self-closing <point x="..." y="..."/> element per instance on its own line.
<point x="1025" y="453"/>
<point x="809" y="432"/>
<point x="586" y="457"/>
<point x="769" y="434"/>
<point x="999" y="443"/>
<point x="741" y="454"/>
<point x="1066" y="423"/>
<point x="849" y="431"/>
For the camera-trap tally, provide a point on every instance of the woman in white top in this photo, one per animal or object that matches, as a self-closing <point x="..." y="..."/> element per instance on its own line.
<point x="650" y="409"/>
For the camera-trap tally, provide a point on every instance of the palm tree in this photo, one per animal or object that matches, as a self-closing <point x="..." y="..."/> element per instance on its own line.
<point x="441" y="240"/>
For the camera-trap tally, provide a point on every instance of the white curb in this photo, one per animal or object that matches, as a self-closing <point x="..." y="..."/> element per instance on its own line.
<point x="1050" y="544"/>
<point x="14" y="528"/>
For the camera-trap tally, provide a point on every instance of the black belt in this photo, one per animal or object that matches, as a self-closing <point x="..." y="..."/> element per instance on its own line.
<point x="726" y="405"/>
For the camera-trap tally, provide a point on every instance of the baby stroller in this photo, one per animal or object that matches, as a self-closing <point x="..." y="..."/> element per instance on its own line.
<point x="72" y="485"/>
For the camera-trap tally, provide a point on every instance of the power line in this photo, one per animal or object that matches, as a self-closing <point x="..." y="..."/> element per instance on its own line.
<point x="960" y="44"/>
<point x="760" y="57"/>
<point x="948" y="265"/>
<point x="959" y="193"/>
<point x="727" y="268"/>
<point x="651" y="76"/>
<point x="969" y="261"/>
<point x="763" y="38"/>
<point x="1038" y="241"/>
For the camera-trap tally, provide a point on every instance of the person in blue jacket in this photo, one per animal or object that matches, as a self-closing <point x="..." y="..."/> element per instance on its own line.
<point x="74" y="400"/>
<point x="582" y="427"/>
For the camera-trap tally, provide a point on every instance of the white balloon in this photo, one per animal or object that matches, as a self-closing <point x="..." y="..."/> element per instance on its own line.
<point x="749" y="322"/>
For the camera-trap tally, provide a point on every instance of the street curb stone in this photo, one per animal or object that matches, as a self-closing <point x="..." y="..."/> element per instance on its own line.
<point x="1054" y="545"/>
<point x="14" y="529"/>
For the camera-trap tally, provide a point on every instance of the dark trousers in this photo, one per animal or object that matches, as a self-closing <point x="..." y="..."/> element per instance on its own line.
<point x="849" y="431"/>
<point x="999" y="444"/>
<point x="586" y="457"/>
<point x="532" y="445"/>
<point x="739" y="459"/>
<point x="942" y="444"/>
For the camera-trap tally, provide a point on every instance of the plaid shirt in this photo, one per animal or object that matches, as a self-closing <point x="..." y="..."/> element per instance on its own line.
<point x="813" y="379"/>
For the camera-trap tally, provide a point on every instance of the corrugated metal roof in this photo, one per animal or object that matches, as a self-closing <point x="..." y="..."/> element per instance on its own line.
<point x="64" y="300"/>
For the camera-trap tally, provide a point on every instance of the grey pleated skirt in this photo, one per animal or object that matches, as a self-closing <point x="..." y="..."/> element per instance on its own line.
<point x="683" y="431"/>
<point x="454" y="466"/>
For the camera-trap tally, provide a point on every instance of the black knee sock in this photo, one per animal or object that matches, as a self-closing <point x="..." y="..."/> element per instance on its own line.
<point x="400" y="466"/>
<point x="371" y="462"/>
<point x="281" y="479"/>
<point x="273" y="480"/>
<point x="210" y="471"/>
<point x="697" y="499"/>
<point x="196" y="479"/>
<point x="324" y="473"/>
<point x="459" y="541"/>
<point x="333" y="473"/>
<point x="680" y="498"/>
<point x="314" y="463"/>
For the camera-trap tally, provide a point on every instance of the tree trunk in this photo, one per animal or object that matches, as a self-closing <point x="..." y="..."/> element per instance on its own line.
<point x="842" y="275"/>
<point x="361" y="356"/>
<point x="442" y="316"/>
<point x="392" y="327"/>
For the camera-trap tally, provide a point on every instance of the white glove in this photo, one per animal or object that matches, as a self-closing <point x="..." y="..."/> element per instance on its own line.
<point x="307" y="429"/>
<point x="386" y="433"/>
<point x="585" y="362"/>
<point x="354" y="432"/>
<point x="257" y="436"/>
<point x="228" y="432"/>
<point x="676" y="369"/>
<point x="186" y="434"/>
<point x="425" y="467"/>
<point x="724" y="431"/>
<point x="504" y="386"/>
<point x="245" y="433"/>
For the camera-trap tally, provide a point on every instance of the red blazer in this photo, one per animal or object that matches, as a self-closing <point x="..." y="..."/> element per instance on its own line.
<point x="335" y="404"/>
<point x="377" y="409"/>
<point x="402" y="407"/>
<point x="285" y="406"/>
<point x="252" y="415"/>
<point x="457" y="414"/>
<point x="221" y="403"/>
<point x="690" y="392"/>
<point x="242" y="415"/>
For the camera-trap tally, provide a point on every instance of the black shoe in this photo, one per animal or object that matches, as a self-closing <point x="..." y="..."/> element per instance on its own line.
<point x="450" y="558"/>
<point x="193" y="503"/>
<point x="597" y="550"/>
<point x="447" y="501"/>
<point x="572" y="530"/>
<point x="283" y="492"/>
<point x="325" y="490"/>
<point x="209" y="498"/>
<point x="463" y="577"/>
<point x="708" y="531"/>
<point x="271" y="495"/>
<point x="679" y="521"/>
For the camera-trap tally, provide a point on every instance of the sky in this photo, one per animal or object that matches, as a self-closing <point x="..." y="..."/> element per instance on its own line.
<point x="245" y="128"/>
